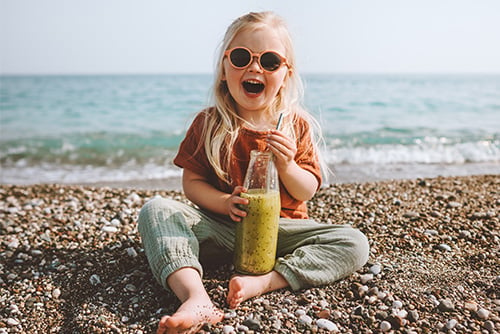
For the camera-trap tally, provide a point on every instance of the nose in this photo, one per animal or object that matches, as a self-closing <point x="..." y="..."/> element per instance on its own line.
<point x="255" y="65"/>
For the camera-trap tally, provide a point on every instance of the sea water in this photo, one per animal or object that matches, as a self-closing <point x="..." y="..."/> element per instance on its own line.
<point x="127" y="128"/>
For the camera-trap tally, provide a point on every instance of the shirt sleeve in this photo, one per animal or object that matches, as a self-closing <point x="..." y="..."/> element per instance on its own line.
<point x="191" y="154"/>
<point x="307" y="157"/>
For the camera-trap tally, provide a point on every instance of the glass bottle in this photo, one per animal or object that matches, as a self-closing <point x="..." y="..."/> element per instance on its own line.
<point x="257" y="233"/>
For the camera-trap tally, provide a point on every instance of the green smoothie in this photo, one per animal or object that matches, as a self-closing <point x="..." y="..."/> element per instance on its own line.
<point x="257" y="233"/>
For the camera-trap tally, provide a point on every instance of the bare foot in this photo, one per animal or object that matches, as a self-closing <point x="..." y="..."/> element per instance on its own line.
<point x="242" y="287"/>
<point x="190" y="317"/>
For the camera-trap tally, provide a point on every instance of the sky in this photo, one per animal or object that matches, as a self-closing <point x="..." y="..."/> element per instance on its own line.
<point x="330" y="36"/>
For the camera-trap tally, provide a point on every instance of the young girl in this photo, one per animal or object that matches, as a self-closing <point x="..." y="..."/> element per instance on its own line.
<point x="255" y="82"/>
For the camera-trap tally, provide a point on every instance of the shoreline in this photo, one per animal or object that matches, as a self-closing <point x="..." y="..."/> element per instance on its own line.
<point x="342" y="174"/>
<point x="72" y="261"/>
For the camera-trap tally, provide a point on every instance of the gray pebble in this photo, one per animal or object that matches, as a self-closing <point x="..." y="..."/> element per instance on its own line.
<point x="95" y="279"/>
<point x="483" y="313"/>
<point x="446" y="305"/>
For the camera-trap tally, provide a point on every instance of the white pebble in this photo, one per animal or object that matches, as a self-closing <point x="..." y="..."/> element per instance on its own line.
<point x="12" y="322"/>
<point x="230" y="315"/>
<point x="109" y="229"/>
<point x="227" y="329"/>
<point x="300" y="312"/>
<point x="13" y="309"/>
<point x="305" y="319"/>
<point x="397" y="304"/>
<point x="125" y="319"/>
<point x="13" y="244"/>
<point x="243" y="328"/>
<point x="56" y="293"/>
<point x="326" y="324"/>
<point x="445" y="247"/>
<point x="36" y="252"/>
<point x="385" y="326"/>
<point x="401" y="313"/>
<point x="451" y="324"/>
<point x="115" y="222"/>
<point x="375" y="269"/>
<point x="483" y="313"/>
<point x="366" y="278"/>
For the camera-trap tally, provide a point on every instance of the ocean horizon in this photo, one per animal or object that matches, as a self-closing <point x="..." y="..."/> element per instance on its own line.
<point x="125" y="129"/>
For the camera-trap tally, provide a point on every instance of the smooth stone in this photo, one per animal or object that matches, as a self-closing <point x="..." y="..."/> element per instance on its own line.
<point x="131" y="252"/>
<point x="444" y="247"/>
<point x="12" y="322"/>
<point x="451" y="323"/>
<point x="489" y="325"/>
<point x="252" y="323"/>
<point x="366" y="278"/>
<point x="109" y="229"/>
<point x="385" y="326"/>
<point x="375" y="269"/>
<point x="305" y="319"/>
<point x="300" y="312"/>
<point x="397" y="304"/>
<point x="130" y="287"/>
<point x="95" y="279"/>
<point x="56" y="293"/>
<point x="227" y="329"/>
<point x="326" y="324"/>
<point x="483" y="313"/>
<point x="446" y="305"/>
<point x="470" y="306"/>
<point x="411" y="215"/>
<point x="230" y="315"/>
<point x="431" y="232"/>
<point x="115" y="222"/>
<point x="323" y="314"/>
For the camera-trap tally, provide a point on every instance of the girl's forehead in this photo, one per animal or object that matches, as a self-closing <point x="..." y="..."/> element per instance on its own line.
<point x="259" y="39"/>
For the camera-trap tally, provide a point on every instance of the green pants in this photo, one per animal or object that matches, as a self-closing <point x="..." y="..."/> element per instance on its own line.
<point x="309" y="254"/>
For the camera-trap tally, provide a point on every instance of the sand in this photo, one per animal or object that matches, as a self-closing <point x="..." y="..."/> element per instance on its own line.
<point x="71" y="261"/>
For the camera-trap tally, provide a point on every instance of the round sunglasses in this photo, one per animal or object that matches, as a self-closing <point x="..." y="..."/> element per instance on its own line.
<point x="241" y="57"/>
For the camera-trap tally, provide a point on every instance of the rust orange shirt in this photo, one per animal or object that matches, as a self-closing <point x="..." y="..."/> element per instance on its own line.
<point x="196" y="161"/>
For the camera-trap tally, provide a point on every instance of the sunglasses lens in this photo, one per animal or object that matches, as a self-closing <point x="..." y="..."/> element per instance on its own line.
<point x="270" y="61"/>
<point x="240" y="57"/>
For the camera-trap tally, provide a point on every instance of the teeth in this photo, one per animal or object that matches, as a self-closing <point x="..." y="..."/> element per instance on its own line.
<point x="254" y="82"/>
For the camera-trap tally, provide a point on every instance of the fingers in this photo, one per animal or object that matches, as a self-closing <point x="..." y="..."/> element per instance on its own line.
<point x="282" y="146"/>
<point x="235" y="204"/>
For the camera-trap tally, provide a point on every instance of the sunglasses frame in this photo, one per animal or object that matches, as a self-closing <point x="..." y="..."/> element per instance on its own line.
<point x="257" y="55"/>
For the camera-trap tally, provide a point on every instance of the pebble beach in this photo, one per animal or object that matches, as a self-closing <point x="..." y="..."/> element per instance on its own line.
<point x="71" y="261"/>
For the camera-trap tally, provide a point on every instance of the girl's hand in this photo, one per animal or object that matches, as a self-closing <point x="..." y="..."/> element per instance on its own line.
<point x="233" y="204"/>
<point x="283" y="148"/>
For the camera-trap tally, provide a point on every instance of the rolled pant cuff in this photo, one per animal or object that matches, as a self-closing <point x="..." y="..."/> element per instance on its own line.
<point x="288" y="275"/>
<point x="176" y="265"/>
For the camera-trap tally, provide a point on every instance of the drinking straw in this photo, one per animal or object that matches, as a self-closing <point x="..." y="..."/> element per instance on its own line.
<point x="279" y="121"/>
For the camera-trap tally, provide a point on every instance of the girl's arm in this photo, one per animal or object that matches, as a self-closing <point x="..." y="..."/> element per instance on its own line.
<point x="300" y="183"/>
<point x="200" y="192"/>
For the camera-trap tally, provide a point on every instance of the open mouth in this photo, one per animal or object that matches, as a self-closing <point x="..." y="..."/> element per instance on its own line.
<point x="253" y="86"/>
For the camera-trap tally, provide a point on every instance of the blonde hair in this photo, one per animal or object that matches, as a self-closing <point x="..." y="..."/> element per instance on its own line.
<point x="222" y="122"/>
